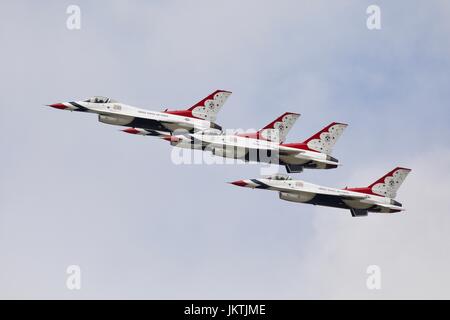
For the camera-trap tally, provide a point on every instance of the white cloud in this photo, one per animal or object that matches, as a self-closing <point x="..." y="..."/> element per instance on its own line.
<point x="412" y="248"/>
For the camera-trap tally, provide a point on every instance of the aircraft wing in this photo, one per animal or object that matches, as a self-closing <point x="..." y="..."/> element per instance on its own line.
<point x="298" y="188"/>
<point x="298" y="152"/>
<point x="290" y="152"/>
<point x="134" y="121"/>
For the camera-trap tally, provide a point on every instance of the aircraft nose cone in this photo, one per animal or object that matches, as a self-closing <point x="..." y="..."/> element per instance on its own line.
<point x="131" y="131"/>
<point x="239" y="183"/>
<point x="58" y="106"/>
<point x="171" y="139"/>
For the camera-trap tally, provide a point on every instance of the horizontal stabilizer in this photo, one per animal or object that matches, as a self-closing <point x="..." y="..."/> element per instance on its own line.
<point x="390" y="207"/>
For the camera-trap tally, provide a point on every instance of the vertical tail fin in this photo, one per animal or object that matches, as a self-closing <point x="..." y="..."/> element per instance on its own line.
<point x="205" y="109"/>
<point x="278" y="129"/>
<point x="325" y="139"/>
<point x="387" y="185"/>
<point x="208" y="107"/>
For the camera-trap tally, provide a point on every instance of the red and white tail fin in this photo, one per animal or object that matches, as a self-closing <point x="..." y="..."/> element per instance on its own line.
<point x="387" y="185"/>
<point x="207" y="108"/>
<point x="278" y="129"/>
<point x="324" y="140"/>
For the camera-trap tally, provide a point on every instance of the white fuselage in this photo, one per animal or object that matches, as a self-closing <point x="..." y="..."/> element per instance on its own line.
<point x="234" y="146"/>
<point x="305" y="192"/>
<point x="116" y="113"/>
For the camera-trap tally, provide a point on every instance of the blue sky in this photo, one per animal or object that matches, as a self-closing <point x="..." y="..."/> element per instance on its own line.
<point x="74" y="191"/>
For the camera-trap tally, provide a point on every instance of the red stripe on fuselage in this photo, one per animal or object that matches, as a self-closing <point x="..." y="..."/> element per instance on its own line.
<point x="365" y="190"/>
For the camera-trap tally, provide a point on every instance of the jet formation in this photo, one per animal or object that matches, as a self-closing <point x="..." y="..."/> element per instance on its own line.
<point x="196" y="128"/>
<point x="200" y="116"/>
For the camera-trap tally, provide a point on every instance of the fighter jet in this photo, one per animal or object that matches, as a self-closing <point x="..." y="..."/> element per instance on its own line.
<point x="267" y="145"/>
<point x="377" y="197"/>
<point x="200" y="116"/>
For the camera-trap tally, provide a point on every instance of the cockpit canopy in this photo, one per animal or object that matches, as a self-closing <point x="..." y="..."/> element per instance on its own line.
<point x="99" y="99"/>
<point x="279" y="176"/>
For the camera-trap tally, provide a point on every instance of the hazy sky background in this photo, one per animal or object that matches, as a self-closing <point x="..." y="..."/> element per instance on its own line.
<point x="75" y="191"/>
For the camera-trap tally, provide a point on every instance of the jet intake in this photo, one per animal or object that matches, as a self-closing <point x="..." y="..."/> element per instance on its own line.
<point x="296" y="197"/>
<point x="115" y="120"/>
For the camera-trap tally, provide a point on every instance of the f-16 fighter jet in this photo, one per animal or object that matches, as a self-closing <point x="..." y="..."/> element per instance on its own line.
<point x="267" y="145"/>
<point x="200" y="116"/>
<point x="377" y="197"/>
